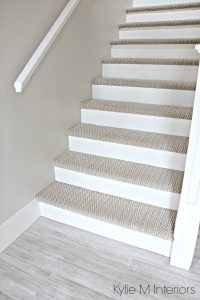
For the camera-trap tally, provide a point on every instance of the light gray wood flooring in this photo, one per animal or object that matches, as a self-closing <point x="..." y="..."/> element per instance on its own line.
<point x="55" y="261"/>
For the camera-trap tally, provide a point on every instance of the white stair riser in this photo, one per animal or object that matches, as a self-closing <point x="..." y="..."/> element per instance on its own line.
<point x="118" y="188"/>
<point x="143" y="3"/>
<point x="154" y="51"/>
<point x="144" y="95"/>
<point x="159" y="32"/>
<point x="186" y="14"/>
<point x="153" y="157"/>
<point x="111" y="231"/>
<point x="137" y="122"/>
<point x="146" y="71"/>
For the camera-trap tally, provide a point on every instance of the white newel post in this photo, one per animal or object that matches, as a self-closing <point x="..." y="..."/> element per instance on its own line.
<point x="188" y="218"/>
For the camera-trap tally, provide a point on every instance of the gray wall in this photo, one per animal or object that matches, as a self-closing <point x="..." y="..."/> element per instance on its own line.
<point x="33" y="124"/>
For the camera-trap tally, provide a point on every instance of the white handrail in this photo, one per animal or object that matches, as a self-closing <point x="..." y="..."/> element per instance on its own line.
<point x="42" y="49"/>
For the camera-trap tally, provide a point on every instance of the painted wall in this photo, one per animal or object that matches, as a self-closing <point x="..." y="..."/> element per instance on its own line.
<point x="33" y="124"/>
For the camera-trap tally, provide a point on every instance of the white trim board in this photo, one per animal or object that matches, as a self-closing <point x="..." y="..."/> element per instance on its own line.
<point x="188" y="217"/>
<point x="17" y="224"/>
<point x="120" y="234"/>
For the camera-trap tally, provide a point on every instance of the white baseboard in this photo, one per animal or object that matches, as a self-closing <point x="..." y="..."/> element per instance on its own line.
<point x="111" y="231"/>
<point x="17" y="224"/>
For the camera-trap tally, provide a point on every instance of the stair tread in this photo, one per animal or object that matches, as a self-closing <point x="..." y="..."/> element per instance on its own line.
<point x="132" y="215"/>
<point x="155" y="42"/>
<point x="159" y="84"/>
<point x="191" y="5"/>
<point x="192" y="22"/>
<point x="167" y="111"/>
<point x="133" y="173"/>
<point x="170" y="143"/>
<point x="151" y="61"/>
<point x="144" y="218"/>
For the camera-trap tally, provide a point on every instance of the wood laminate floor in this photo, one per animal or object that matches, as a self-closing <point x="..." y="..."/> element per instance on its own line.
<point x="55" y="261"/>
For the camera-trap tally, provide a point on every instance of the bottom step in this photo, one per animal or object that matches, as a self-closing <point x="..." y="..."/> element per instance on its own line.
<point x="138" y="224"/>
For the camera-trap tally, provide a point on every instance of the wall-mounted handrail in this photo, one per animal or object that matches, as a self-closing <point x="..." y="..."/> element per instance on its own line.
<point x="42" y="49"/>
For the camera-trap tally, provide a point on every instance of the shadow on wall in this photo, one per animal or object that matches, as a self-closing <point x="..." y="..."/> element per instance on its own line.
<point x="35" y="121"/>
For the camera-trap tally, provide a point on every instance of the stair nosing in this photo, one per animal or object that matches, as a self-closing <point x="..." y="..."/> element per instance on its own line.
<point x="128" y="25"/>
<point x="169" y="7"/>
<point x="157" y="178"/>
<point x="142" y="108"/>
<point x="155" y="42"/>
<point x="114" y="210"/>
<point x="151" y="61"/>
<point x="158" y="84"/>
<point x="155" y="141"/>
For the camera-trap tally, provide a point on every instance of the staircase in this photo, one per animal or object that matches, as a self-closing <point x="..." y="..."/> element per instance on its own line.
<point x="122" y="176"/>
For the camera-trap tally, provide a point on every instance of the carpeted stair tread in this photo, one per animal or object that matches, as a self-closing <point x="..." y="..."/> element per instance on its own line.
<point x="167" y="111"/>
<point x="151" y="61"/>
<point x="144" y="218"/>
<point x="193" y="22"/>
<point x="155" y="42"/>
<point x="135" y="138"/>
<point x="191" y="5"/>
<point x="124" y="171"/>
<point x="158" y="84"/>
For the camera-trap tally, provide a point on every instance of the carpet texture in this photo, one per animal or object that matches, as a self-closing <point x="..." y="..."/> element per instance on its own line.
<point x="194" y="22"/>
<point x="155" y="42"/>
<point x="191" y="5"/>
<point x="129" y="214"/>
<point x="151" y="61"/>
<point x="158" y="84"/>
<point x="119" y="170"/>
<point x="143" y="139"/>
<point x="165" y="111"/>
